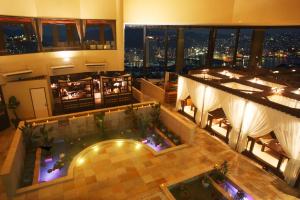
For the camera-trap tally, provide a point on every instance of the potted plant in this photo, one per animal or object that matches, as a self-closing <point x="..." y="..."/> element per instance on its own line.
<point x="219" y="172"/>
<point x="100" y="121"/>
<point x="205" y="181"/>
<point x="13" y="104"/>
<point x="132" y="116"/>
<point x="43" y="140"/>
<point x="27" y="132"/>
<point x="155" y="114"/>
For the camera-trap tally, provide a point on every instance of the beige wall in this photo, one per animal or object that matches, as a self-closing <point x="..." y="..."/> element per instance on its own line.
<point x="184" y="129"/>
<point x="266" y="12"/>
<point x="21" y="90"/>
<point x="85" y="9"/>
<point x="153" y="91"/>
<point x="220" y="12"/>
<point x="41" y="63"/>
<point x="178" y="11"/>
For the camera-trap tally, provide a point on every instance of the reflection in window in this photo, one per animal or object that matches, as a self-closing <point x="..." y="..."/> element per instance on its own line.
<point x="60" y="35"/>
<point x="17" y="37"/>
<point x="99" y="34"/>
<point x="134" y="50"/>
<point x="244" y="47"/>
<point x="224" y="47"/>
<point x="155" y="47"/>
<point x="195" y="47"/>
<point x="281" y="47"/>
<point x="155" y="44"/>
<point x="171" y="46"/>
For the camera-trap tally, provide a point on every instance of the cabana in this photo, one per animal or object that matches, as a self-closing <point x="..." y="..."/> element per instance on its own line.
<point x="249" y="112"/>
<point x="218" y="124"/>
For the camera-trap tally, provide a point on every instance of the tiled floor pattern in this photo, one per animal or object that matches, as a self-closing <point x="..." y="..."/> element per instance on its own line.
<point x="125" y="172"/>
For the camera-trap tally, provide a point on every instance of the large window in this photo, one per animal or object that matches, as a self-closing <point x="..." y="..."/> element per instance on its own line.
<point x="60" y="35"/>
<point x="155" y="47"/>
<point x="224" y="47"/>
<point x="171" y="48"/>
<point x="281" y="47"/>
<point x="134" y="49"/>
<point x="195" y="47"/>
<point x="99" y="34"/>
<point x="244" y="48"/>
<point x="17" y="36"/>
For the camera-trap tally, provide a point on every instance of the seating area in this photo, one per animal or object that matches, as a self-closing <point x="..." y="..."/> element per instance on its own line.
<point x="255" y="119"/>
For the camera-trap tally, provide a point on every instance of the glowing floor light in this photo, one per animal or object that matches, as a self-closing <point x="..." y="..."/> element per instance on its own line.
<point x="138" y="146"/>
<point x="80" y="161"/>
<point x="120" y="143"/>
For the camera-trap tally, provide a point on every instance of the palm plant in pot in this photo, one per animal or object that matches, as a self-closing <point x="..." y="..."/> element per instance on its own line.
<point x="13" y="104"/>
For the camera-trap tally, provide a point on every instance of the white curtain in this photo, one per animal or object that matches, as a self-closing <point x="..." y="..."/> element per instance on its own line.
<point x="233" y="107"/>
<point x="196" y="91"/>
<point x="256" y="123"/>
<point x="182" y="91"/>
<point x="78" y="29"/>
<point x="287" y="131"/>
<point x="211" y="102"/>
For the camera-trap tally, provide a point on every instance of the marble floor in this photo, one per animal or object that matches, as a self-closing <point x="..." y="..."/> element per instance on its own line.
<point x="125" y="172"/>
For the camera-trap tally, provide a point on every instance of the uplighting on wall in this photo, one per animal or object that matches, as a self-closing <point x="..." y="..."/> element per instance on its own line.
<point x="65" y="55"/>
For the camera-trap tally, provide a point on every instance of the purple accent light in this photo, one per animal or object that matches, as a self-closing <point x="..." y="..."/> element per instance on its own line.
<point x="45" y="176"/>
<point x="232" y="190"/>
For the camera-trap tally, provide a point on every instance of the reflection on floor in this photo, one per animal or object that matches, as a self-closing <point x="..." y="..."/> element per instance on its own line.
<point x="267" y="156"/>
<point x="221" y="130"/>
<point x="189" y="110"/>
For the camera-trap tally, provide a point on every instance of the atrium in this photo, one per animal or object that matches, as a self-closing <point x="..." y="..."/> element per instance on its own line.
<point x="149" y="100"/>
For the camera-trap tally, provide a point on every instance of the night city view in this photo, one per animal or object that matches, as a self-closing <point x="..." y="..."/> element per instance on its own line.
<point x="281" y="48"/>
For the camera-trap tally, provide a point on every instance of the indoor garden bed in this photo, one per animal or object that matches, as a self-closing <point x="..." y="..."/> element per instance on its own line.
<point x="214" y="185"/>
<point x="51" y="146"/>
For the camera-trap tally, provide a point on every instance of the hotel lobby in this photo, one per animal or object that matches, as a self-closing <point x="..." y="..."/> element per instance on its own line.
<point x="149" y="100"/>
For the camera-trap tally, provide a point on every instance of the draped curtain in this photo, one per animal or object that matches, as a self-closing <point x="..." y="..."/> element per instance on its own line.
<point x="234" y="110"/>
<point x="79" y="29"/>
<point x="182" y="91"/>
<point x="287" y="131"/>
<point x="256" y="123"/>
<point x="211" y="102"/>
<point x="196" y="91"/>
